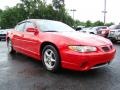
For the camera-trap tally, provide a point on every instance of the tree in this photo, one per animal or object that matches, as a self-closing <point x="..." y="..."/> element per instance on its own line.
<point x="109" y="24"/>
<point x="11" y="16"/>
<point x="88" y="23"/>
<point x="79" y="23"/>
<point x="57" y="4"/>
<point x="0" y="16"/>
<point x="98" y="23"/>
<point x="33" y="9"/>
<point x="0" y="11"/>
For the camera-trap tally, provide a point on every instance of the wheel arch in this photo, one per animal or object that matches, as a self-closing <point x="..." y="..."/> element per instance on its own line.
<point x="49" y="43"/>
<point x="92" y="33"/>
<point x="8" y="38"/>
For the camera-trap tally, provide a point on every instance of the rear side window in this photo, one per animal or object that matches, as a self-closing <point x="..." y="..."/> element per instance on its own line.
<point x="20" y="27"/>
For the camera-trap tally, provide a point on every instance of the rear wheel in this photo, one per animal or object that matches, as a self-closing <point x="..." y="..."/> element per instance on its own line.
<point x="91" y="32"/>
<point x="51" y="59"/>
<point x="10" y="47"/>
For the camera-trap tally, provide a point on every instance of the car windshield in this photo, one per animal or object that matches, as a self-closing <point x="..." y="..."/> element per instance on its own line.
<point x="53" y="26"/>
<point x="100" y="27"/>
<point x="115" y="27"/>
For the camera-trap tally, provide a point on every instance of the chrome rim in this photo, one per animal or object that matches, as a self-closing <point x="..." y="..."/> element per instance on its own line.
<point x="9" y="46"/>
<point x="49" y="59"/>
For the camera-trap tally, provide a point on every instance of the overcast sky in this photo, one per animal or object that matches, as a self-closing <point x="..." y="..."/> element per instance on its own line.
<point x="86" y="9"/>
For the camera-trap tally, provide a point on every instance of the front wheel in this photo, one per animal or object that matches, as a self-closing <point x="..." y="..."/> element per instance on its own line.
<point x="10" y="47"/>
<point x="114" y="41"/>
<point x="51" y="58"/>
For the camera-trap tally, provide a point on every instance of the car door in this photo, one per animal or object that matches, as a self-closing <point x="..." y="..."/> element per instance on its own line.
<point x="18" y="35"/>
<point x="31" y="40"/>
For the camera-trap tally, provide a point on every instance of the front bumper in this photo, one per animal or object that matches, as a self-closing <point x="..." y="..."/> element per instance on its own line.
<point x="114" y="36"/>
<point x="86" y="61"/>
<point x="2" y="36"/>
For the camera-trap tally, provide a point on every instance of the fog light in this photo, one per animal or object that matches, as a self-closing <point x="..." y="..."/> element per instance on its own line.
<point x="84" y="64"/>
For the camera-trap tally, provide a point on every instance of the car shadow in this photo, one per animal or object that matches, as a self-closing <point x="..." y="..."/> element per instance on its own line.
<point x="23" y="58"/>
<point x="37" y="67"/>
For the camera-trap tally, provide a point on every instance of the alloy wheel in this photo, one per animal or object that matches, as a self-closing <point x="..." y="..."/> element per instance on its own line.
<point x="9" y="46"/>
<point x="49" y="58"/>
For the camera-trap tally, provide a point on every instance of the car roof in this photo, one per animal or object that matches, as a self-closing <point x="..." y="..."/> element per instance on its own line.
<point x="35" y="20"/>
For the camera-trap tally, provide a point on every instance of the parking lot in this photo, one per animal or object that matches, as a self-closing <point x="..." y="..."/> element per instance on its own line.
<point x="19" y="72"/>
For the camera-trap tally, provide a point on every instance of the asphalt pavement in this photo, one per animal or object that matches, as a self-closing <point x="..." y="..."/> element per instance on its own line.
<point x="19" y="72"/>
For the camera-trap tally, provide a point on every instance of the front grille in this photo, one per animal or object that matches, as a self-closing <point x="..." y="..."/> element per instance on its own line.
<point x="106" y="49"/>
<point x="2" y="34"/>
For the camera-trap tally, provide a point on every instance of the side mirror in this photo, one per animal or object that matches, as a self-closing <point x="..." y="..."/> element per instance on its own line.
<point x="34" y="30"/>
<point x="31" y="30"/>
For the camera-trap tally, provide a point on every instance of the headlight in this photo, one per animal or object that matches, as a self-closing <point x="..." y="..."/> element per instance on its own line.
<point x="83" y="48"/>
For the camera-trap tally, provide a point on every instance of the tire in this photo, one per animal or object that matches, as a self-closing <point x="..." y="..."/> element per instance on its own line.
<point x="114" y="41"/>
<point x="91" y="33"/>
<point x="51" y="58"/>
<point x="10" y="47"/>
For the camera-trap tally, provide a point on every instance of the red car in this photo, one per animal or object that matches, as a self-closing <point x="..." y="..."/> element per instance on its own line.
<point x="103" y="31"/>
<point x="58" y="45"/>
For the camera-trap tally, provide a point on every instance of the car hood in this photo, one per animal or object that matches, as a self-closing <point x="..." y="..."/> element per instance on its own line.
<point x="3" y="32"/>
<point x="87" y="39"/>
<point x="116" y="30"/>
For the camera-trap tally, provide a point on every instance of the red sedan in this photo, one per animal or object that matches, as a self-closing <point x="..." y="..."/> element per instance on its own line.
<point x="58" y="45"/>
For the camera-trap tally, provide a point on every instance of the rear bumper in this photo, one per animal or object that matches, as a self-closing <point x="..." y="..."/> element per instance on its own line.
<point x="86" y="61"/>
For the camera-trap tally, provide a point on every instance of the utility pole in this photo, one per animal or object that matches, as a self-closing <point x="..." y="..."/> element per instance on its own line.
<point x="73" y="10"/>
<point x="104" y="12"/>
